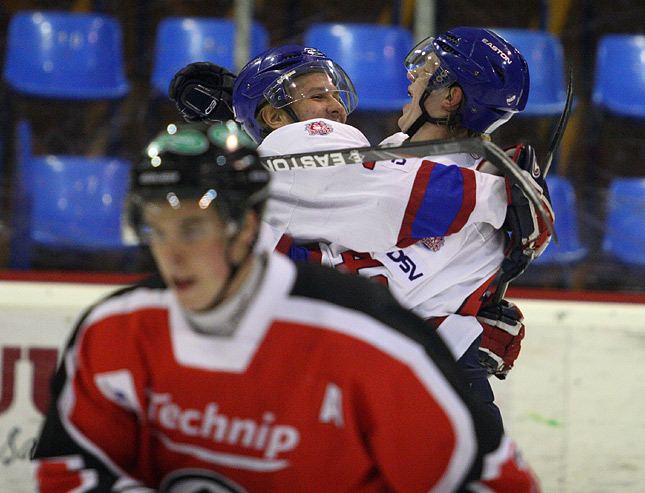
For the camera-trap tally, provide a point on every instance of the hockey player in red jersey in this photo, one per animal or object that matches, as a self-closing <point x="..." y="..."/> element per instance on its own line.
<point x="236" y="370"/>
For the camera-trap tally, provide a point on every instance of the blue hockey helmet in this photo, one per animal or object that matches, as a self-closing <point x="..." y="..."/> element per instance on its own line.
<point x="492" y="73"/>
<point x="270" y="79"/>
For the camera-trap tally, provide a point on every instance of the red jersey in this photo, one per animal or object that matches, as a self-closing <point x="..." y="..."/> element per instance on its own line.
<point x="326" y="384"/>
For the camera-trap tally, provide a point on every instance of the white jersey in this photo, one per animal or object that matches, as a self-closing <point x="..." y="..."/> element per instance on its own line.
<point x="442" y="275"/>
<point x="374" y="207"/>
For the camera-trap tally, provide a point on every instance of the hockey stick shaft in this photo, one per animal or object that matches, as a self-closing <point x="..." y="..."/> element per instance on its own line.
<point x="340" y="157"/>
<point x="500" y="292"/>
<point x="562" y="125"/>
<point x="357" y="155"/>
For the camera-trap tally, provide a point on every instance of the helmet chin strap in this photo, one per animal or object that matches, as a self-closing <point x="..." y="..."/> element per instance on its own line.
<point x="424" y="117"/>
<point x="234" y="267"/>
<point x="291" y="113"/>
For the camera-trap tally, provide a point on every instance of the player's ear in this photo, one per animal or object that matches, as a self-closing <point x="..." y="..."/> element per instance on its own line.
<point x="251" y="224"/>
<point x="249" y="229"/>
<point x="274" y="118"/>
<point x="453" y="98"/>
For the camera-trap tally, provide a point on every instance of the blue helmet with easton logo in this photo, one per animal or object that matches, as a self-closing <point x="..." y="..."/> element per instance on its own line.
<point x="270" y="79"/>
<point x="493" y="75"/>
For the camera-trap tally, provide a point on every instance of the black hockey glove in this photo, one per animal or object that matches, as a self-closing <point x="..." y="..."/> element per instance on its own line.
<point x="203" y="91"/>
<point x="529" y="233"/>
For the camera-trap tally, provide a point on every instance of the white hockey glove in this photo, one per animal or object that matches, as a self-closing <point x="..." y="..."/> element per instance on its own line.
<point x="503" y="333"/>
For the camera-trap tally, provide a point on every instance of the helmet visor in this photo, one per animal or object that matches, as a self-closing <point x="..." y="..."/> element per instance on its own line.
<point x="423" y="63"/>
<point x="310" y="80"/>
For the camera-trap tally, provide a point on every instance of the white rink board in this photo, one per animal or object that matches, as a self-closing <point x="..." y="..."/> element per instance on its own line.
<point x="575" y="402"/>
<point x="32" y="315"/>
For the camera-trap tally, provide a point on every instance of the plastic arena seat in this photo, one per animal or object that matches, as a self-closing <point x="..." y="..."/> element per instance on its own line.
<point x="563" y="200"/>
<point x="71" y="203"/>
<point x="63" y="55"/>
<point x="372" y="55"/>
<point x="183" y="40"/>
<point x="619" y="82"/>
<point x="624" y="237"/>
<point x="545" y="57"/>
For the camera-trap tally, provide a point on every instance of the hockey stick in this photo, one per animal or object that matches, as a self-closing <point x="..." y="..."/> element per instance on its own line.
<point x="357" y="155"/>
<point x="477" y="146"/>
<point x="562" y="125"/>
<point x="500" y="292"/>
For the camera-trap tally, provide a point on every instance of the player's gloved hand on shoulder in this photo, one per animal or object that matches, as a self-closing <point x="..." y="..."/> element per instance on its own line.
<point x="530" y="234"/>
<point x="504" y="329"/>
<point x="203" y="91"/>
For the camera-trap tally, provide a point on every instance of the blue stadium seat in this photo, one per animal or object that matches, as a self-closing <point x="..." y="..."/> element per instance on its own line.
<point x="62" y="55"/>
<point x="619" y="82"/>
<point x="625" y="220"/>
<point x="545" y="57"/>
<point x="66" y="202"/>
<point x="372" y="55"/>
<point x="183" y="40"/>
<point x="569" y="249"/>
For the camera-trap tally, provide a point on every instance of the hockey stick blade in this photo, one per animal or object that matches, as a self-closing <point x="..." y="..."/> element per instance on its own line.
<point x="477" y="146"/>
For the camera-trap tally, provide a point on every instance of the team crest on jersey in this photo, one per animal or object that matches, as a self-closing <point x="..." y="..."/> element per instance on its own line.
<point x="319" y="128"/>
<point x="434" y="243"/>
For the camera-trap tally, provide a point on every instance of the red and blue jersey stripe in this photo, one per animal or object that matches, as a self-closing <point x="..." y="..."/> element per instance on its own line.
<point x="441" y="201"/>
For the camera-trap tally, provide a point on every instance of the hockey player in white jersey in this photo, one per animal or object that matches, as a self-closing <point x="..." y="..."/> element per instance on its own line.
<point x="444" y="276"/>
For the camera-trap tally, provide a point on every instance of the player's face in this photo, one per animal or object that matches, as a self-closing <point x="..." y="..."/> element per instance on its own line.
<point x="419" y="80"/>
<point x="321" y="100"/>
<point x="189" y="246"/>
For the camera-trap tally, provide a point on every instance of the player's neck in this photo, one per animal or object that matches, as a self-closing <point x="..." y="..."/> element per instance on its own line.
<point x="223" y="319"/>
<point x="430" y="131"/>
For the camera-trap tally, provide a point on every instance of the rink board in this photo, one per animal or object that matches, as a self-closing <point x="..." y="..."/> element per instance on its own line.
<point x="575" y="401"/>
